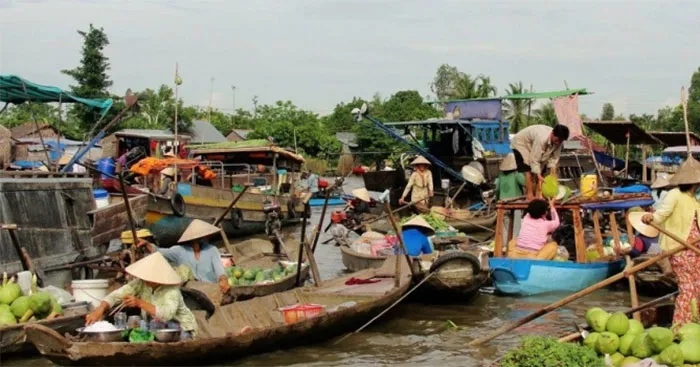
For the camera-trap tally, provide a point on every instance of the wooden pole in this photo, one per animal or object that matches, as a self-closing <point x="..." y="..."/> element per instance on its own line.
<point x="130" y="214"/>
<point x="386" y="215"/>
<point x="684" y="101"/>
<point x="584" y="292"/>
<point x="644" y="163"/>
<point x="677" y="239"/>
<point x="399" y="236"/>
<point x="301" y="249"/>
<point x="312" y="260"/>
<point x="498" y="245"/>
<point x="230" y="206"/>
<point x="320" y="221"/>
<point x="11" y="228"/>
<point x="598" y="234"/>
<point x="627" y="155"/>
<point x="452" y="199"/>
<point x="469" y="222"/>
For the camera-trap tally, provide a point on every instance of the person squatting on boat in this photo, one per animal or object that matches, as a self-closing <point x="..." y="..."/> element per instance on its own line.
<point x="678" y="214"/>
<point x="197" y="259"/>
<point x="535" y="146"/>
<point x="155" y="290"/>
<point x="415" y="235"/>
<point x="510" y="184"/>
<point x="533" y="241"/>
<point x="420" y="184"/>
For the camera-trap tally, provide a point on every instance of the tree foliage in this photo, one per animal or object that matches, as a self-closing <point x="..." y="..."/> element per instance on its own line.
<point x="516" y="110"/>
<point x="450" y="83"/>
<point x="341" y="119"/>
<point x="545" y="115"/>
<point x="694" y="102"/>
<point x="91" y="75"/>
<point x="608" y="113"/>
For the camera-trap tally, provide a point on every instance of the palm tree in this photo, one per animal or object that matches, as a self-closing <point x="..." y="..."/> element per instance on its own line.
<point x="546" y="115"/>
<point x="516" y="109"/>
<point x="485" y="88"/>
<point x="467" y="87"/>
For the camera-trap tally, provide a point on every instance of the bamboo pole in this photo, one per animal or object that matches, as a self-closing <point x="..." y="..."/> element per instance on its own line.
<point x="634" y="298"/>
<point x="627" y="154"/>
<point x="369" y="221"/>
<point x="301" y="249"/>
<point x="130" y="214"/>
<point x="399" y="236"/>
<point x="553" y="306"/>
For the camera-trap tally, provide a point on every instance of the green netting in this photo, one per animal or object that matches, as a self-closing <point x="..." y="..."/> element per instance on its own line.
<point x="231" y="144"/>
<point x="16" y="90"/>
<point x="554" y="94"/>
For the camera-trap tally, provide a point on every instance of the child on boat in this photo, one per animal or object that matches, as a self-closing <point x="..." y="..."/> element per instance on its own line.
<point x="533" y="239"/>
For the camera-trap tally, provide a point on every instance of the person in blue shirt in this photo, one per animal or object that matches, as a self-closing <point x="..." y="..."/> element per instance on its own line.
<point x="193" y="251"/>
<point x="415" y="234"/>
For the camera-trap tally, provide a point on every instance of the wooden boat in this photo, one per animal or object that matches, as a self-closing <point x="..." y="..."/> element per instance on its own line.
<point x="252" y="253"/>
<point x="529" y="277"/>
<point x="473" y="225"/>
<point x="109" y="222"/>
<point x="459" y="272"/>
<point x="13" y="339"/>
<point x="652" y="282"/>
<point x="346" y="308"/>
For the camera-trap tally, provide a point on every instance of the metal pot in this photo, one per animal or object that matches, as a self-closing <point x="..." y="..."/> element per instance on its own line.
<point x="101" y="336"/>
<point x="168" y="335"/>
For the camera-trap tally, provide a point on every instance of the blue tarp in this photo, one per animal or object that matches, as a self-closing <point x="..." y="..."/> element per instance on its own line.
<point x="634" y="189"/>
<point x="27" y="164"/>
<point x="617" y="205"/>
<point x="609" y="161"/>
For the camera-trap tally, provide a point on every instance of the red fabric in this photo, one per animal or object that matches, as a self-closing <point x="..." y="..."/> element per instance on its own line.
<point x="322" y="183"/>
<point x="338" y="216"/>
<point x="358" y="170"/>
<point x="686" y="266"/>
<point x="353" y="281"/>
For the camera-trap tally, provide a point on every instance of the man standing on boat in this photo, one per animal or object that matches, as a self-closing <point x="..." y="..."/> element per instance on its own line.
<point x="201" y="258"/>
<point x="536" y="146"/>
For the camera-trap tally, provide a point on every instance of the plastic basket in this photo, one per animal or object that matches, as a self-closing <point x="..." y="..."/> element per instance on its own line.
<point x="296" y="313"/>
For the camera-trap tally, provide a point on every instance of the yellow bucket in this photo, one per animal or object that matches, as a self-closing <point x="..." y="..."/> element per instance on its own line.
<point x="589" y="185"/>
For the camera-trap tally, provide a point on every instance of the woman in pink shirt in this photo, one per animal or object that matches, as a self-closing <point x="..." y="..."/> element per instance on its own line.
<point x="533" y="240"/>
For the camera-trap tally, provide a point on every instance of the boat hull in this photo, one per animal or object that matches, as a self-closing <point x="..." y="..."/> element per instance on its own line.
<point x="474" y="225"/>
<point x="524" y="277"/>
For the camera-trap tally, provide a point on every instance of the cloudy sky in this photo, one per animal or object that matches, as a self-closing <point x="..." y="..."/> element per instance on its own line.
<point x="635" y="54"/>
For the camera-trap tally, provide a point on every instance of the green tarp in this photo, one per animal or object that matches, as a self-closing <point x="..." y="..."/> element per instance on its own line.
<point x="554" y="94"/>
<point x="16" y="90"/>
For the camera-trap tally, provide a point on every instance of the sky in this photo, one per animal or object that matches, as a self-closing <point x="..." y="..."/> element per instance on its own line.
<point x="317" y="53"/>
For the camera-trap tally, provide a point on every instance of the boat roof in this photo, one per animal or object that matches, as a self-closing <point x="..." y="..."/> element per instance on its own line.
<point x="246" y="146"/>
<point x="445" y="122"/>
<point x="616" y="132"/>
<point x="531" y="95"/>
<point x="150" y="134"/>
<point x="15" y="90"/>
<point x="674" y="138"/>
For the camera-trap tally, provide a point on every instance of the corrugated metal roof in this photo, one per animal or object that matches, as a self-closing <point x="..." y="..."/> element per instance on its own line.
<point x="150" y="134"/>
<point x="205" y="132"/>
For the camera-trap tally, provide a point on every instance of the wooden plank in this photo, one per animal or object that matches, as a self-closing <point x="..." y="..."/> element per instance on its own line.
<point x="615" y="231"/>
<point x="498" y="247"/>
<point x="598" y="234"/>
<point x="580" y="240"/>
<point x="511" y="225"/>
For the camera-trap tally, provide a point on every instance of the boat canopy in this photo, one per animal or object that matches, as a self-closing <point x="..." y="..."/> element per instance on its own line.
<point x="246" y="146"/>
<point x="530" y="95"/>
<point x="618" y="204"/>
<point x="616" y="132"/>
<point x="675" y="138"/>
<point x="16" y="90"/>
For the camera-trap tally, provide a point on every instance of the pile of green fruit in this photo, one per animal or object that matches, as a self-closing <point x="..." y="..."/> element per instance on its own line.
<point x="626" y="341"/>
<point x="16" y="307"/>
<point x="238" y="276"/>
<point x="436" y="222"/>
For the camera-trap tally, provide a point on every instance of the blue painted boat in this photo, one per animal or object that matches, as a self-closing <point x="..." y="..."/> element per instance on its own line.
<point x="331" y="202"/>
<point x="524" y="277"/>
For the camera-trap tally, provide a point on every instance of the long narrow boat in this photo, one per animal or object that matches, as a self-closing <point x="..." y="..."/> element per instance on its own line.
<point x="346" y="308"/>
<point x="529" y="277"/>
<point x="13" y="339"/>
<point x="652" y="281"/>
<point x="252" y="253"/>
<point x="471" y="225"/>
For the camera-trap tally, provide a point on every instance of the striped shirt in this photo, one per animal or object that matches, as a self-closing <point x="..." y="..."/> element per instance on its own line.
<point x="534" y="233"/>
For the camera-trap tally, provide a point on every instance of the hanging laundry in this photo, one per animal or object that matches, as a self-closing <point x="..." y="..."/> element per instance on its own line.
<point x="566" y="109"/>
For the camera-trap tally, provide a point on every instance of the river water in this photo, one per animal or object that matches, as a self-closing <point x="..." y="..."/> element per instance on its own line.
<point x="417" y="333"/>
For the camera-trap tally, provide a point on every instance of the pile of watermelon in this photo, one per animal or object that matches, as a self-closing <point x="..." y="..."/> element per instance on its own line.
<point x="239" y="276"/>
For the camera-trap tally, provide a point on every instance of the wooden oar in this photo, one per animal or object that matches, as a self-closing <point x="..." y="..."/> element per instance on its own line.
<point x="301" y="249"/>
<point x="551" y="307"/>
<point x="221" y="217"/>
<point x="678" y="239"/>
<point x="388" y="308"/>
<point x="629" y="311"/>
<point x="402" y="245"/>
<point x="369" y="221"/>
<point x="132" y="222"/>
<point x="320" y="221"/>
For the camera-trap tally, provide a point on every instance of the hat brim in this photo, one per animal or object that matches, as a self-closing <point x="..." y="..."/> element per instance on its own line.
<point x="635" y="219"/>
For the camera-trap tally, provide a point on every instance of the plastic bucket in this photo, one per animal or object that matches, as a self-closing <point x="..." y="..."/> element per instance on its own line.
<point x="106" y="165"/>
<point x="101" y="198"/>
<point x="92" y="291"/>
<point x="589" y="185"/>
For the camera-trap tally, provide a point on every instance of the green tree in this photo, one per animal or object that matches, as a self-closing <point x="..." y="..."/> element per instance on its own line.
<point x="694" y="102"/>
<point x="545" y="115"/>
<point x="477" y="87"/>
<point x="91" y="75"/>
<point x="608" y="113"/>
<point x="516" y="109"/>
<point x="444" y="83"/>
<point x="341" y="119"/>
<point x="406" y="105"/>
<point x="670" y="119"/>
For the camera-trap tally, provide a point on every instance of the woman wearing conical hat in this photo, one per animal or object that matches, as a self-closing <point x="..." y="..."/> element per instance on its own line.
<point x="155" y="290"/>
<point x="415" y="235"/>
<point x="660" y="188"/>
<point x="420" y="184"/>
<point x="678" y="214"/>
<point x="193" y="251"/>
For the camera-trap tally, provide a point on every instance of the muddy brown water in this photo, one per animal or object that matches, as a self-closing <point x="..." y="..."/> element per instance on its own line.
<point x="417" y="333"/>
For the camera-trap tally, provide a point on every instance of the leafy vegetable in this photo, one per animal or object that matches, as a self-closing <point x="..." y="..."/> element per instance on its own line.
<point x="435" y="222"/>
<point x="138" y="335"/>
<point x="548" y="352"/>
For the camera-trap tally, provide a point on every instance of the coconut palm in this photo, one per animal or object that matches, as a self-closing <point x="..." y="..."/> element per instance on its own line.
<point x="516" y="109"/>
<point x="546" y="115"/>
<point x="485" y="88"/>
<point x="467" y="87"/>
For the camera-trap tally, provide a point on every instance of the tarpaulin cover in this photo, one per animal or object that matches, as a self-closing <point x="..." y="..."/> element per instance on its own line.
<point x="615" y="205"/>
<point x="634" y="189"/>
<point x="16" y="90"/>
<point x="609" y="161"/>
<point x="486" y="109"/>
<point x="150" y="165"/>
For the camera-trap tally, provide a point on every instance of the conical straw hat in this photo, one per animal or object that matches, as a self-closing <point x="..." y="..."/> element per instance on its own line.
<point x="635" y="219"/>
<point x="660" y="182"/>
<point x="361" y="194"/>
<point x="418" y="221"/>
<point x="688" y="173"/>
<point x="508" y="163"/>
<point x="421" y="160"/>
<point x="155" y="269"/>
<point x="198" y="229"/>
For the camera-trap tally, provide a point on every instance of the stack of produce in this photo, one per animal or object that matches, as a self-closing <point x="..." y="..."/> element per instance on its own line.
<point x="626" y="341"/>
<point x="433" y="219"/>
<point x="16" y="307"/>
<point x="238" y="276"/>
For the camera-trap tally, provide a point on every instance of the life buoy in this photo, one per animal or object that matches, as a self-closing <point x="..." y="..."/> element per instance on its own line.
<point x="456" y="256"/>
<point x="177" y="204"/>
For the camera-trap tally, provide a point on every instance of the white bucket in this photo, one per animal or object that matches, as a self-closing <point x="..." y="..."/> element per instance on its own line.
<point x="92" y="291"/>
